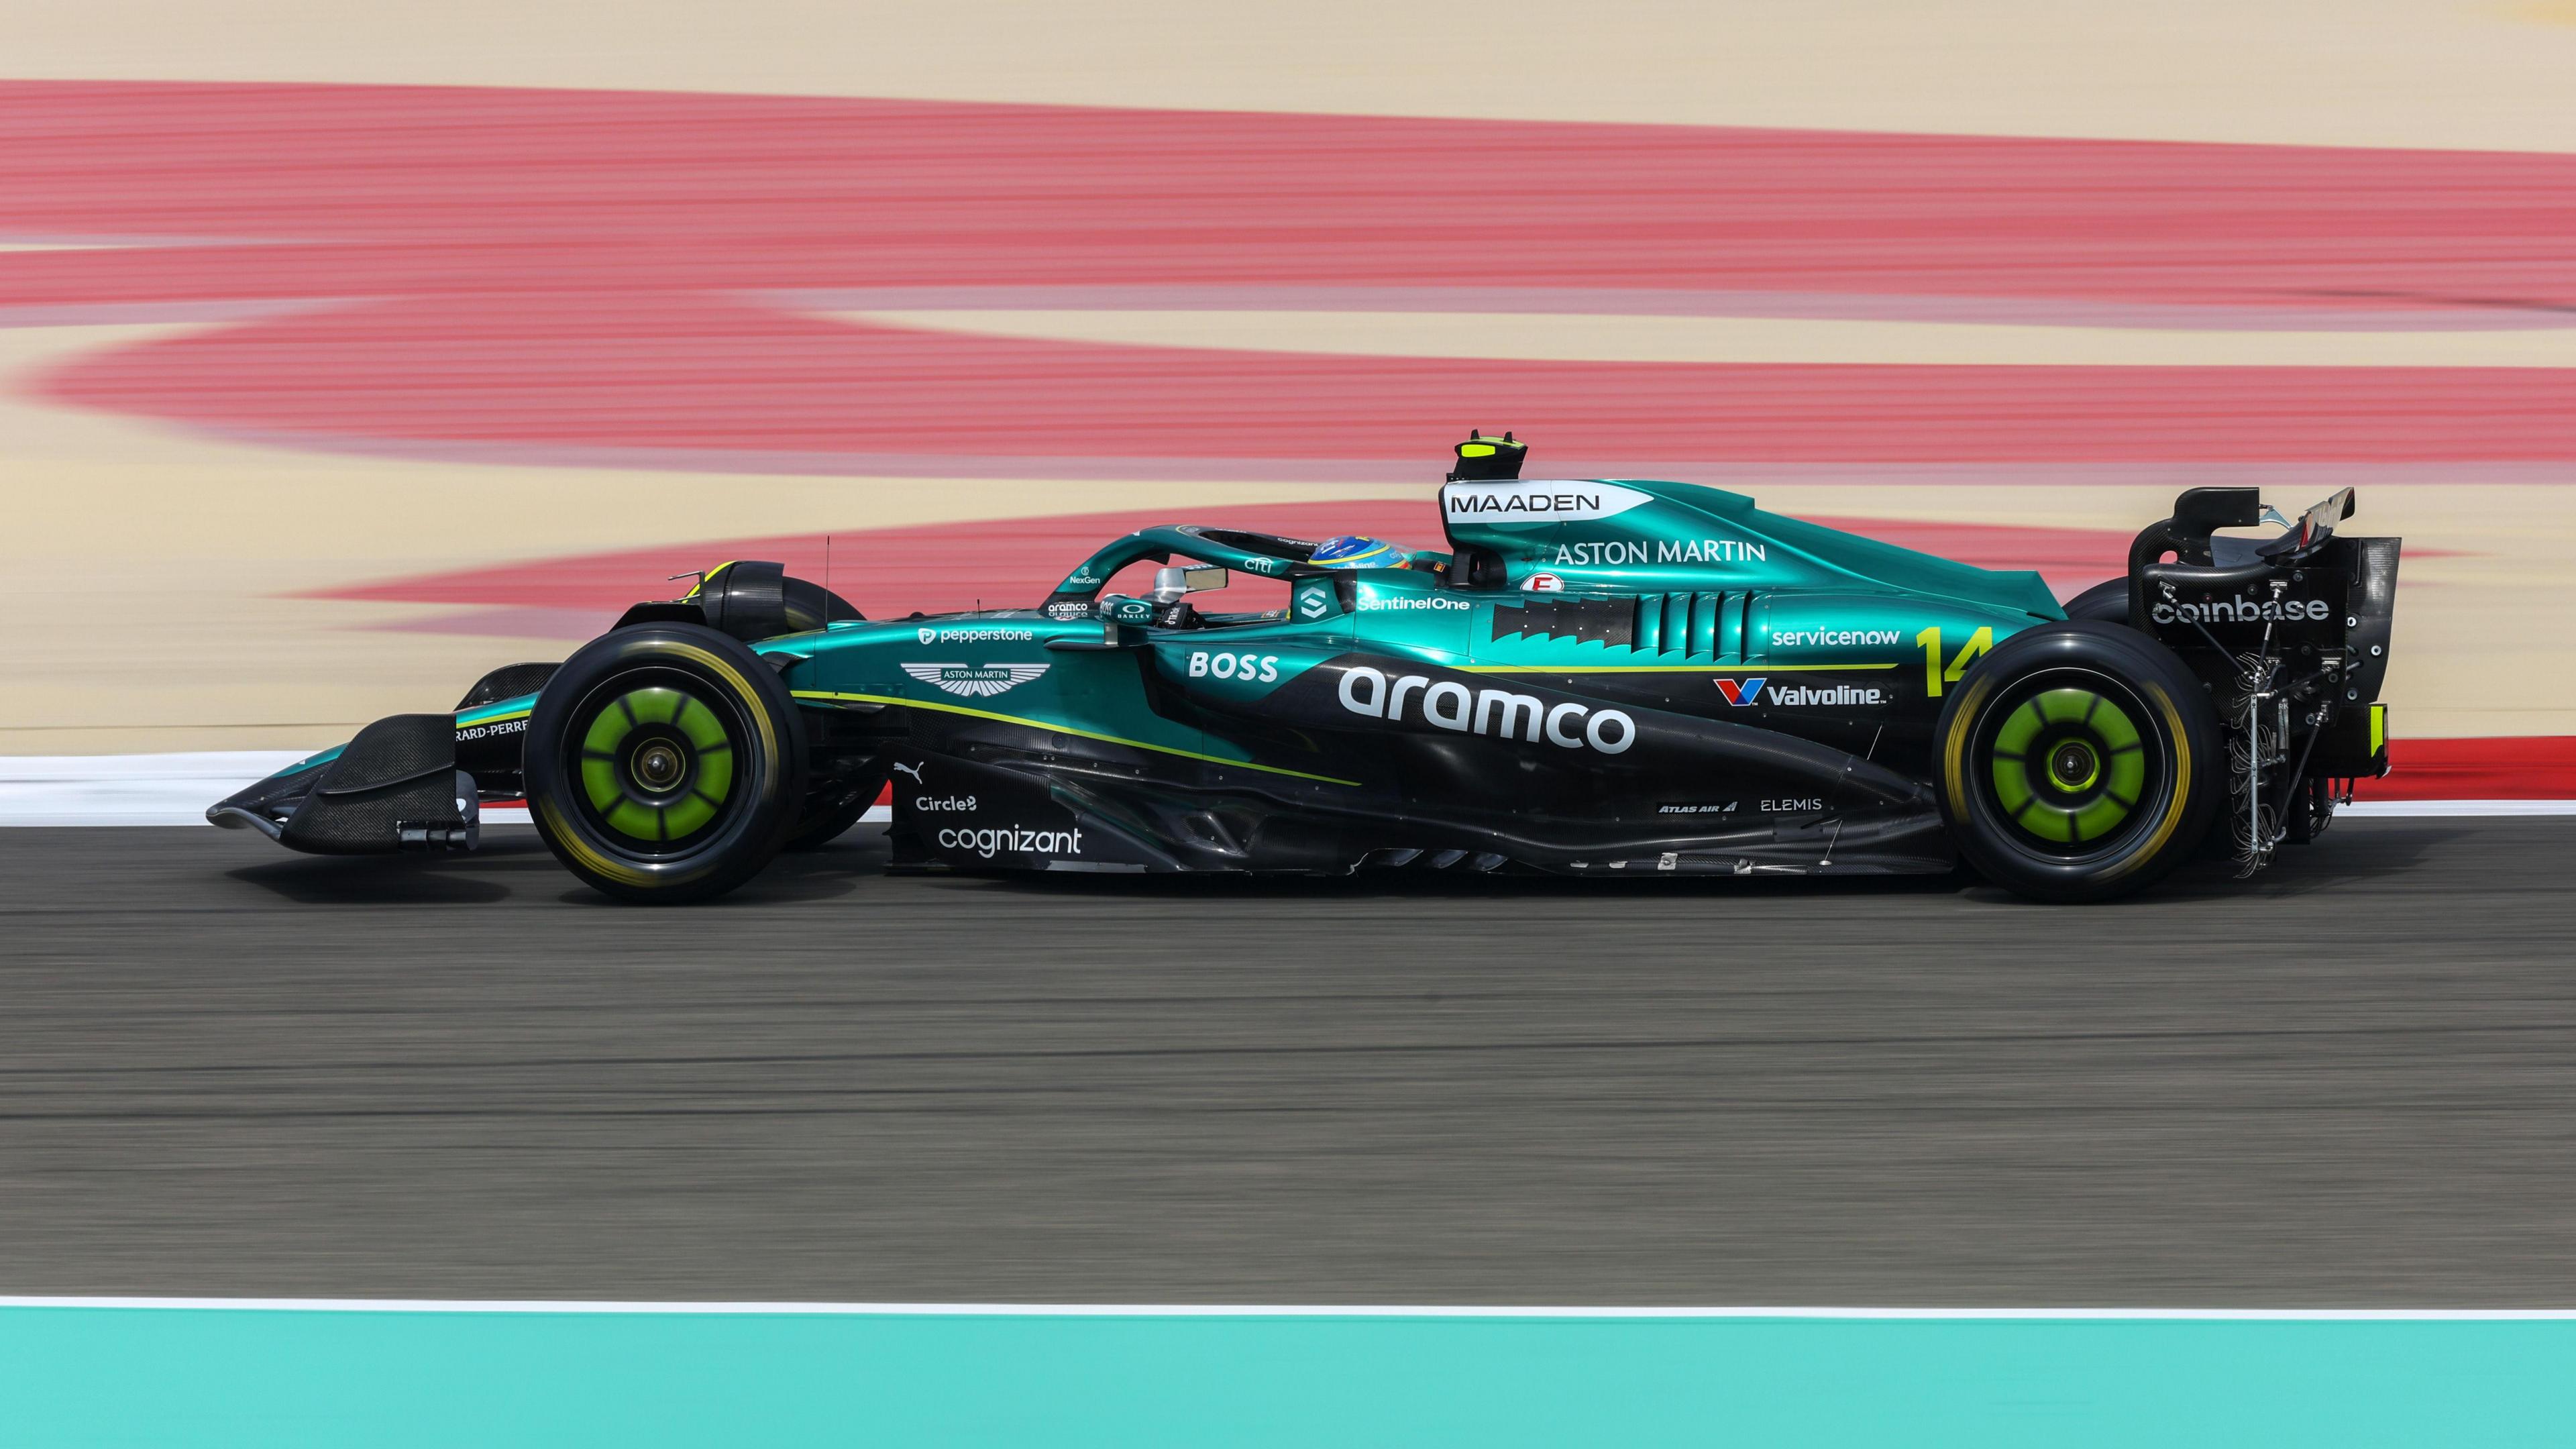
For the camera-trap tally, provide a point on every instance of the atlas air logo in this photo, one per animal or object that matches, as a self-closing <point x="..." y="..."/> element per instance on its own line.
<point x="976" y="681"/>
<point x="1741" y="692"/>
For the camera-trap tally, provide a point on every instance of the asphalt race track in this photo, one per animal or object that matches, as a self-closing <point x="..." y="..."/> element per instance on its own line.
<point x="228" y="1070"/>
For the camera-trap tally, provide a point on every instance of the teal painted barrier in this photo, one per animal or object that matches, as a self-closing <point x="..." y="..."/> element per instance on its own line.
<point x="280" y="1377"/>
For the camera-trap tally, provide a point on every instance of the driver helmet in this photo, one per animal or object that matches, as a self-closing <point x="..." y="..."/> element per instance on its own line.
<point x="1357" y="551"/>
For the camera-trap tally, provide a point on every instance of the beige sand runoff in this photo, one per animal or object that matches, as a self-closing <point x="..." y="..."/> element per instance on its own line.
<point x="138" y="625"/>
<point x="2452" y="73"/>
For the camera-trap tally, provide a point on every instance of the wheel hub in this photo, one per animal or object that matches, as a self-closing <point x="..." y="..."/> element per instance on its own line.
<point x="2073" y="765"/>
<point x="2069" y="767"/>
<point x="656" y="764"/>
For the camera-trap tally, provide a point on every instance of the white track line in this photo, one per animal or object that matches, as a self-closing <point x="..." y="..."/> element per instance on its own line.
<point x="1286" y="1310"/>
<point x="160" y="789"/>
<point x="176" y="789"/>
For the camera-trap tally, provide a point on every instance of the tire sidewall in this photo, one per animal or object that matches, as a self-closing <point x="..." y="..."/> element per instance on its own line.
<point x="2179" y="726"/>
<point x="769" y="765"/>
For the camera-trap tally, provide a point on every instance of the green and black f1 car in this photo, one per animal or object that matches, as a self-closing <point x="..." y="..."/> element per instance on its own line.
<point x="1620" y="677"/>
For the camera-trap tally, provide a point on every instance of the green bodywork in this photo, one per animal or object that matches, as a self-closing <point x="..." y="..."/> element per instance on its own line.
<point x="1720" y="586"/>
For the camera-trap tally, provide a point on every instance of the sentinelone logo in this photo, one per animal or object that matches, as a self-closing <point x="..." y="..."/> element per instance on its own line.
<point x="1016" y="839"/>
<point x="1369" y="604"/>
<point x="2241" y="611"/>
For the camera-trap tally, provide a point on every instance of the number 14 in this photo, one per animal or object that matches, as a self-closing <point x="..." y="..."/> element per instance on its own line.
<point x="1934" y="676"/>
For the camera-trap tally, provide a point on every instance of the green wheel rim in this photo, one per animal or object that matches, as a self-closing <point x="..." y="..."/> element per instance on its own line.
<point x="656" y="764"/>
<point x="2069" y="766"/>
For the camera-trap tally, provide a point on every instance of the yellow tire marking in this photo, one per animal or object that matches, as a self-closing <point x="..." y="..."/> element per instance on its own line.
<point x="2181" y="791"/>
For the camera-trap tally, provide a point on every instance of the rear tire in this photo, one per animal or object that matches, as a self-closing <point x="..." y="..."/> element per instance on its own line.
<point x="2107" y="601"/>
<point x="2078" y="762"/>
<point x="665" y="764"/>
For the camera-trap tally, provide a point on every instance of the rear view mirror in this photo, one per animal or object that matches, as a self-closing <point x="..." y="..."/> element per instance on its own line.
<point x="1172" y="584"/>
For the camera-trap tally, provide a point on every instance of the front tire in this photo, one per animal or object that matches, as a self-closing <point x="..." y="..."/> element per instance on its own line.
<point x="665" y="764"/>
<point x="2078" y="762"/>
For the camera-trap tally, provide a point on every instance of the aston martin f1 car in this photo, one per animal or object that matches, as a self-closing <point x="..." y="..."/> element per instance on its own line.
<point x="1595" y="678"/>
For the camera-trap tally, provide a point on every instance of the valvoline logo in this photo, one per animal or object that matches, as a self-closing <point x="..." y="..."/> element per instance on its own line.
<point x="1741" y="692"/>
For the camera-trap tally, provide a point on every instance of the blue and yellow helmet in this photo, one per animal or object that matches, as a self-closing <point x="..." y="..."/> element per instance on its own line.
<point x="1354" y="551"/>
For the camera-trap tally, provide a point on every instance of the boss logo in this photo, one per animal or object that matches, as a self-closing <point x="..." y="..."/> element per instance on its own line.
<point x="1261" y="667"/>
<point x="1450" y="705"/>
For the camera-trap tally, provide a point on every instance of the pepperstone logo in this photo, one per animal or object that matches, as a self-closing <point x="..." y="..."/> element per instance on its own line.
<point x="975" y="634"/>
<point x="2242" y="611"/>
<point x="980" y="681"/>
<point x="1538" y="501"/>
<point x="1450" y="705"/>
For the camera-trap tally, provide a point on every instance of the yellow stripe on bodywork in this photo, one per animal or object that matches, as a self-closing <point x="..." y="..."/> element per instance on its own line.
<point x="1064" y="729"/>
<point x="2378" y="728"/>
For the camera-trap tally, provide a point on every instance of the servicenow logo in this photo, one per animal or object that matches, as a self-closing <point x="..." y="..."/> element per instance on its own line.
<point x="1450" y="705"/>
